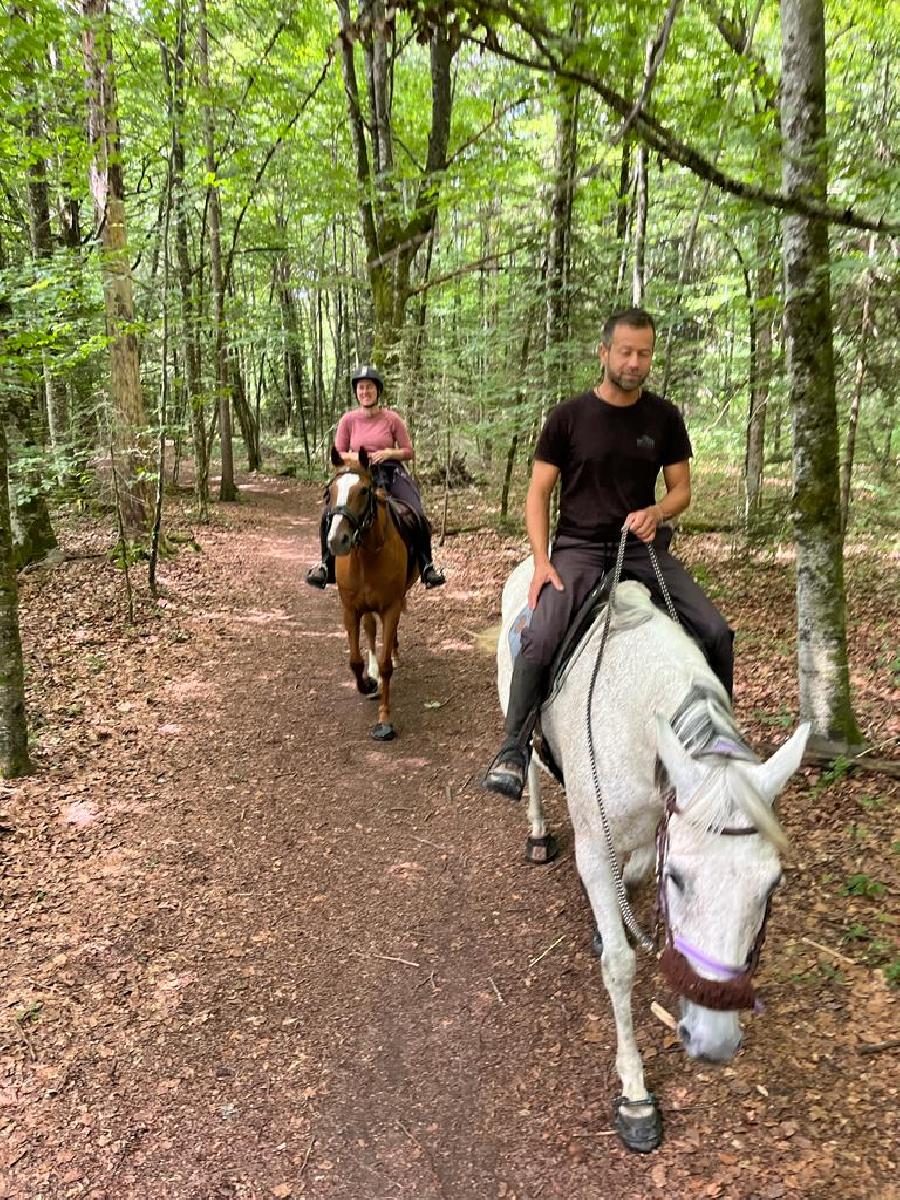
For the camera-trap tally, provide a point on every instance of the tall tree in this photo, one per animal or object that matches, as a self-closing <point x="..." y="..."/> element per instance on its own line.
<point x="108" y="191"/>
<point x="42" y="250"/>
<point x="174" y="70"/>
<point x="562" y="204"/>
<point x="821" y="606"/>
<point x="393" y="230"/>
<point x="859" y="379"/>
<point x="761" y="316"/>
<point x="14" y="759"/>
<point x="227" y="487"/>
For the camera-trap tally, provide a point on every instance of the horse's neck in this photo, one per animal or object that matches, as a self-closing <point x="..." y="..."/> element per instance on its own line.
<point x="380" y="529"/>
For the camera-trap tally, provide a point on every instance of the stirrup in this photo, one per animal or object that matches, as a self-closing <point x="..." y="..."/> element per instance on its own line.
<point x="317" y="576"/>
<point x="506" y="774"/>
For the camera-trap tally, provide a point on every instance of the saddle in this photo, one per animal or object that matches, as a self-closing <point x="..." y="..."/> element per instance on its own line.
<point x="407" y="522"/>
<point x="582" y="624"/>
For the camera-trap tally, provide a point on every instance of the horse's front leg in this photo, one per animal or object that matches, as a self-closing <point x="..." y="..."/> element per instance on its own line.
<point x="637" y="1117"/>
<point x="390" y="619"/>
<point x="370" y="628"/>
<point x="363" y="683"/>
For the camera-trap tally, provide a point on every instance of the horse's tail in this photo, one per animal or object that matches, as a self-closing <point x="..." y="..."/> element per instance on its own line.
<point x="487" y="640"/>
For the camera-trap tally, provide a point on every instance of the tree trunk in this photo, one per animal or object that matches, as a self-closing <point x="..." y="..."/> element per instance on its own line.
<point x="189" y="334"/>
<point x="821" y="604"/>
<point x="293" y="351"/>
<point x="14" y="759"/>
<point x="761" y="337"/>
<point x="858" y="381"/>
<point x="108" y="191"/>
<point x="246" y="419"/>
<point x="561" y="206"/>
<point x="391" y="241"/>
<point x="624" y="190"/>
<point x="82" y="424"/>
<point x="639" y="233"/>
<point x="42" y="250"/>
<point x="227" y="487"/>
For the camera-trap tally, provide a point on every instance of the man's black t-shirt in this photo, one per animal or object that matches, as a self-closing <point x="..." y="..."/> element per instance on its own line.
<point x="609" y="459"/>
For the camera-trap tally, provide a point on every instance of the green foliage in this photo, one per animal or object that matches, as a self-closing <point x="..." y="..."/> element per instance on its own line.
<point x="474" y="362"/>
<point x="836" y="771"/>
<point x="30" y="1014"/>
<point x="863" y="885"/>
<point x="128" y="553"/>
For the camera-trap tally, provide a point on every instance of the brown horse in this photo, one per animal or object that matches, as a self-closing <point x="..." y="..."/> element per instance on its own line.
<point x="373" y="572"/>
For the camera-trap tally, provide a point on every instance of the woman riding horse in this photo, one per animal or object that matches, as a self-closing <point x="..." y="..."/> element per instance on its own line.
<point x="382" y="434"/>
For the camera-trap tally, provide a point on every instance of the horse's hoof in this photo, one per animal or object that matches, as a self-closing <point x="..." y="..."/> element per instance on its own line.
<point x="367" y="686"/>
<point x="639" y="1131"/>
<point x="541" y="849"/>
<point x="597" y="943"/>
<point x="383" y="733"/>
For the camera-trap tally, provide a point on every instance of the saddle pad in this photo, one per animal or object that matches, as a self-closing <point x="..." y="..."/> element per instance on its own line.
<point x="516" y="629"/>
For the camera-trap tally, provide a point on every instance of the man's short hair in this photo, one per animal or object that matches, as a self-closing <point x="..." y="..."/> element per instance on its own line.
<point x="636" y="318"/>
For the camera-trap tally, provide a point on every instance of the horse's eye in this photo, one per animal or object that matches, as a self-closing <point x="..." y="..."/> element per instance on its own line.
<point x="674" y="878"/>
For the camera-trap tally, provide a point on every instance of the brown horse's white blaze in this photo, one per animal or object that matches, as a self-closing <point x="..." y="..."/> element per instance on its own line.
<point x="373" y="573"/>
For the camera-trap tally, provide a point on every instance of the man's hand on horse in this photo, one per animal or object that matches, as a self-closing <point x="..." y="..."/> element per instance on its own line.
<point x="544" y="573"/>
<point x="380" y="456"/>
<point x="644" y="522"/>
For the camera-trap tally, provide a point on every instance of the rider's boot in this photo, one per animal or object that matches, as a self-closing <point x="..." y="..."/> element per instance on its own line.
<point x="323" y="572"/>
<point x="506" y="774"/>
<point x="430" y="575"/>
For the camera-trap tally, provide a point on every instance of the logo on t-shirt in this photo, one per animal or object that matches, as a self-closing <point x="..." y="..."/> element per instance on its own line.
<point x="646" y="442"/>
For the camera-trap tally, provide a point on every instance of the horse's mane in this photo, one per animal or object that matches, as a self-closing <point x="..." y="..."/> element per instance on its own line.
<point x="707" y="730"/>
<point x="726" y="798"/>
<point x="706" y="727"/>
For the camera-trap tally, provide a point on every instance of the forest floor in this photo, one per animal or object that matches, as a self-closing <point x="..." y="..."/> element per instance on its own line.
<point x="249" y="952"/>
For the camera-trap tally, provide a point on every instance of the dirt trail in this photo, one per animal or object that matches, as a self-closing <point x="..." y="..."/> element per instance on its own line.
<point x="253" y="953"/>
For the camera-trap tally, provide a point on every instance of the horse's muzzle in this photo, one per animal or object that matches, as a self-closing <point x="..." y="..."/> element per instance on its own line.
<point x="707" y="1035"/>
<point x="340" y="543"/>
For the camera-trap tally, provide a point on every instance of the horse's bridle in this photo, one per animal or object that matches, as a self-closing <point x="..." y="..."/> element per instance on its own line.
<point x="359" y="525"/>
<point x="678" y="956"/>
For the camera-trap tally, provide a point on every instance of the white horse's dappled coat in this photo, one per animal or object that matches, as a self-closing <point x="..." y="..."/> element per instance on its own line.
<point x="717" y="885"/>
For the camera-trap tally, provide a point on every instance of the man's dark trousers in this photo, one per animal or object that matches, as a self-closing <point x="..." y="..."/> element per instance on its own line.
<point x="580" y="565"/>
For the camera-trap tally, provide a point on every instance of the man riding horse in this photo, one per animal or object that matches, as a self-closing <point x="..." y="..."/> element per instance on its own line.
<point x="382" y="434"/>
<point x="607" y="446"/>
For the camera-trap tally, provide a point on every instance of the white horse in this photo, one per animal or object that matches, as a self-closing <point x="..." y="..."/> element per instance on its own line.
<point x="715" y="843"/>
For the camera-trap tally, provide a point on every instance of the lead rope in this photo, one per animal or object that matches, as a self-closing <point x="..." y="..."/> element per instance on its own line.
<point x="647" y="943"/>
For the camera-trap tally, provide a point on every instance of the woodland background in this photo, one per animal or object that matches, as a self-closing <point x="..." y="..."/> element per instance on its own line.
<point x="208" y="214"/>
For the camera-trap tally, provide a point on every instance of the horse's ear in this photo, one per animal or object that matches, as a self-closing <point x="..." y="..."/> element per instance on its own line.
<point x="770" y="777"/>
<point x="336" y="459"/>
<point x="683" y="772"/>
<point x="364" y="458"/>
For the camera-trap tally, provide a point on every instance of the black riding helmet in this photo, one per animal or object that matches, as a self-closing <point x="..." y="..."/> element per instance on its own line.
<point x="367" y="372"/>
